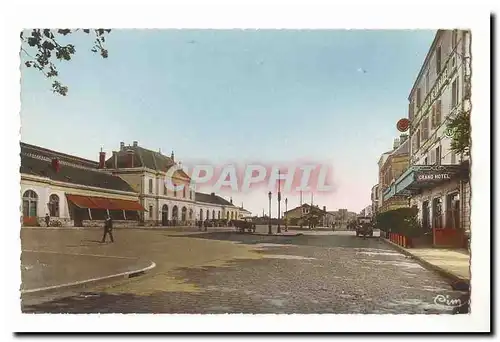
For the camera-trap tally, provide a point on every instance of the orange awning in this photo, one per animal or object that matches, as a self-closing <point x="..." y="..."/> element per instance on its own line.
<point x="93" y="202"/>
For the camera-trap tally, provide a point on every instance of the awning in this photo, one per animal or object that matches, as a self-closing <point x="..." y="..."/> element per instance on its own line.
<point x="419" y="177"/>
<point x="92" y="202"/>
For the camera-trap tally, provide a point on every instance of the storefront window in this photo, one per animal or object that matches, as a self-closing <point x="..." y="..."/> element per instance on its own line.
<point x="453" y="211"/>
<point x="437" y="212"/>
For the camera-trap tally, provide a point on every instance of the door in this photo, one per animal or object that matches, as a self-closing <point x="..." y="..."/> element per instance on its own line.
<point x="426" y="216"/>
<point x="164" y="215"/>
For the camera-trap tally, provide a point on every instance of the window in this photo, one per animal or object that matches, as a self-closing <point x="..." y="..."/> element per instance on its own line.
<point x="183" y="192"/>
<point x="424" y="129"/>
<point x="213" y="214"/>
<point x="418" y="139"/>
<point x="438" y="155"/>
<point x="150" y="186"/>
<point x="150" y="210"/>
<point x="454" y="93"/>
<point x="433" y="117"/>
<point x="425" y="161"/>
<point x="30" y="200"/>
<point x="175" y="190"/>
<point x="410" y="110"/>
<point x="165" y="190"/>
<point x="418" y="98"/>
<point x="454" y="39"/>
<point x="54" y="205"/>
<point x="438" y="60"/>
<point x="437" y="119"/>
<point x="190" y="194"/>
<point x="427" y="82"/>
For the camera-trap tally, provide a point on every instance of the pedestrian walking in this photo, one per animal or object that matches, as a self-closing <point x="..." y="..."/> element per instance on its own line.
<point x="108" y="229"/>
<point x="47" y="220"/>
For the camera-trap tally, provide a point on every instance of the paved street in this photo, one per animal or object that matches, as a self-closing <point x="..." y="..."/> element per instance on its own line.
<point x="227" y="272"/>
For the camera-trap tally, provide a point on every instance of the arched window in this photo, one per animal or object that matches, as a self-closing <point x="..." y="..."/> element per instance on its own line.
<point x="232" y="216"/>
<point x="175" y="213"/>
<point x="183" y="192"/>
<point x="218" y="215"/>
<point x="184" y="214"/>
<point x="208" y="215"/>
<point x="30" y="201"/>
<point x="201" y="214"/>
<point x="227" y="215"/>
<point x="54" y="205"/>
<point x="213" y="214"/>
<point x="190" y="214"/>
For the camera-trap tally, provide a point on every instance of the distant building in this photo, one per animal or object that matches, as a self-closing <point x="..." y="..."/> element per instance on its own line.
<point x="395" y="164"/>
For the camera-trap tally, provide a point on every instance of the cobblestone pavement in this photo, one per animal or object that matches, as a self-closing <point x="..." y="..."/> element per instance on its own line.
<point x="335" y="273"/>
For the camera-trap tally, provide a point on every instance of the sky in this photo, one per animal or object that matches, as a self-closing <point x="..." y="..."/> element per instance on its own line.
<point x="235" y="95"/>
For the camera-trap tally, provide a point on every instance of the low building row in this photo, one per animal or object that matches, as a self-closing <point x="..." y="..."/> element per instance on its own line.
<point x="129" y="187"/>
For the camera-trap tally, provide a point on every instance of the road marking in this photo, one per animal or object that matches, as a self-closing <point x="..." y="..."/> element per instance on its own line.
<point x="80" y="254"/>
<point x="81" y="282"/>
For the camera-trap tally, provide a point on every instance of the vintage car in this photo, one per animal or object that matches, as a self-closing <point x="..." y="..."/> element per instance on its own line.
<point x="244" y="225"/>
<point x="364" y="227"/>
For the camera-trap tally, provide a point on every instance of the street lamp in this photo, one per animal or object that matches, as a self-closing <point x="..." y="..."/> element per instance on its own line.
<point x="270" y="231"/>
<point x="286" y="209"/>
<point x="279" y="212"/>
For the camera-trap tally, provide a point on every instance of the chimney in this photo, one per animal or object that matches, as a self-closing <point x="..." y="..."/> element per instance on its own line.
<point x="115" y="159"/>
<point x="324" y="208"/>
<point x="102" y="159"/>
<point x="130" y="154"/>
<point x="231" y="200"/>
<point x="172" y="156"/>
<point x="135" y="144"/>
<point x="212" y="194"/>
<point x="122" y="146"/>
<point x="396" y="143"/>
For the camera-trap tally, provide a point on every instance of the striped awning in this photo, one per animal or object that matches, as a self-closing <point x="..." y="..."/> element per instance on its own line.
<point x="93" y="202"/>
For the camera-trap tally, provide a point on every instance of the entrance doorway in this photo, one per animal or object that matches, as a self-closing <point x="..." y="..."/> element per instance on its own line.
<point x="164" y="215"/>
<point x="426" y="223"/>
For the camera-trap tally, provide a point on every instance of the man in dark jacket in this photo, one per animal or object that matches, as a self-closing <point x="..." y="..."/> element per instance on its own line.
<point x="47" y="220"/>
<point x="108" y="229"/>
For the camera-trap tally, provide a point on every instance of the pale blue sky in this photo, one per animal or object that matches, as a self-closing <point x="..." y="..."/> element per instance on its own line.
<point x="270" y="95"/>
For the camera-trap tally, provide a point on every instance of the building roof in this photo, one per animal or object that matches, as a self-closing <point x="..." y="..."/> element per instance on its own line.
<point x="402" y="149"/>
<point x="212" y="199"/>
<point x="142" y="157"/>
<point x="425" y="63"/>
<point x="37" y="161"/>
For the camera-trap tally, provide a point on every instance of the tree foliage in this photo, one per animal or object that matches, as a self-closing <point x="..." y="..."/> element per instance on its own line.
<point x="43" y="48"/>
<point x="459" y="130"/>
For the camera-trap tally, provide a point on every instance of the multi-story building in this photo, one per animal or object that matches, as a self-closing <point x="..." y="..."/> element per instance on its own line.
<point x="381" y="162"/>
<point x="375" y="199"/>
<point x="438" y="180"/>
<point x="395" y="164"/>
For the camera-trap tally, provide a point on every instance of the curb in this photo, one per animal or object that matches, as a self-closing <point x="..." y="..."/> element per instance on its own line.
<point x="128" y="274"/>
<point x="284" y="235"/>
<point x="458" y="283"/>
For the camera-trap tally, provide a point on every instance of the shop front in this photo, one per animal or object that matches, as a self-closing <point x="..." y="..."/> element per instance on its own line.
<point x="436" y="191"/>
<point x="92" y="210"/>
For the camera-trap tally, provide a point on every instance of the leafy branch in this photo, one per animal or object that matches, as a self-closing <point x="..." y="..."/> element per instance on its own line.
<point x="46" y="47"/>
<point x="459" y="129"/>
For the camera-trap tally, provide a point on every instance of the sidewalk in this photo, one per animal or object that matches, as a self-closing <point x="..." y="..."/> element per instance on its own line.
<point x="451" y="263"/>
<point x="43" y="271"/>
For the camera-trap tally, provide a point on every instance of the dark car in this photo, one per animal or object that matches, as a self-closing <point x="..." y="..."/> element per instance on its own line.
<point x="364" y="227"/>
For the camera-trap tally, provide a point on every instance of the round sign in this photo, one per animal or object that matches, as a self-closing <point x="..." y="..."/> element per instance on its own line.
<point x="403" y="125"/>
